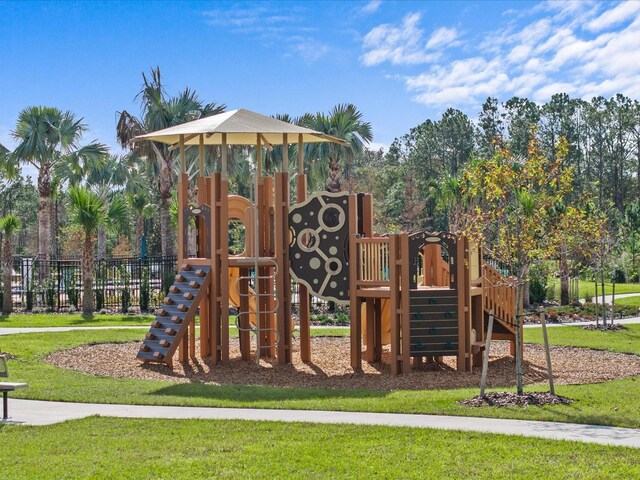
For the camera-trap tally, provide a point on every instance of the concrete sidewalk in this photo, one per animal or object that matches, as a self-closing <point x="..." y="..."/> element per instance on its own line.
<point x="35" y="412"/>
<point x="11" y="331"/>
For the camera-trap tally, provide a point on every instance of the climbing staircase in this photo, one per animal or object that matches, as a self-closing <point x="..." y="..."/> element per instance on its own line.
<point x="173" y="319"/>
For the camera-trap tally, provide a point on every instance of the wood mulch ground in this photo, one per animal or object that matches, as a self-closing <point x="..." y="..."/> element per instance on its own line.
<point x="331" y="368"/>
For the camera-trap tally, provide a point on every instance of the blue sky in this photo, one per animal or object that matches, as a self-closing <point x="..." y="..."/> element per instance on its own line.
<point x="398" y="62"/>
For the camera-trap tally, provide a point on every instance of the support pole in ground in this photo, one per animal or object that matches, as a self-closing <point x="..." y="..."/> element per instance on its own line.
<point x="485" y="360"/>
<point x="520" y="389"/>
<point x="543" y="322"/>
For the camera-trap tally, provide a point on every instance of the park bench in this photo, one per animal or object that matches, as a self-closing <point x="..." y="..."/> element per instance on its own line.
<point x="6" y="387"/>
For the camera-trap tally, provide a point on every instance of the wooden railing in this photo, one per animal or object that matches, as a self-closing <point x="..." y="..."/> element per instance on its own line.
<point x="373" y="261"/>
<point x="499" y="295"/>
<point x="434" y="269"/>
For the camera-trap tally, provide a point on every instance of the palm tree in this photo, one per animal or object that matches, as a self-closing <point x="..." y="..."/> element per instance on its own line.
<point x="158" y="112"/>
<point x="89" y="212"/>
<point x="9" y="225"/>
<point x="344" y="122"/>
<point x="49" y="137"/>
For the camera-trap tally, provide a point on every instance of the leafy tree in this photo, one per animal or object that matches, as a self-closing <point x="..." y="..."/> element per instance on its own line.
<point x="521" y="116"/>
<point x="514" y="213"/>
<point x="88" y="211"/>
<point x="456" y="137"/>
<point x="490" y="127"/>
<point x="344" y="122"/>
<point x="9" y="225"/>
<point x="47" y="138"/>
<point x="158" y="112"/>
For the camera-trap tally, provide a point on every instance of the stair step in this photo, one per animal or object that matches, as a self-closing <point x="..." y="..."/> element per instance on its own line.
<point x="179" y="309"/>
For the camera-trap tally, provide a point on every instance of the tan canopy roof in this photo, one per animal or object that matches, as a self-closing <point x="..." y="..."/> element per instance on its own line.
<point x="241" y="127"/>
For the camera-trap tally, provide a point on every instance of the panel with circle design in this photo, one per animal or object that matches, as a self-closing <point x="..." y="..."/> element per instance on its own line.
<point x="319" y="249"/>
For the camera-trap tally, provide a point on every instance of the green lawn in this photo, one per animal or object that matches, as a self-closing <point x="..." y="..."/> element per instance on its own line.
<point x="588" y="287"/>
<point x="625" y="341"/>
<point x="72" y="320"/>
<point x="610" y="403"/>
<point x="629" y="301"/>
<point x="143" y="448"/>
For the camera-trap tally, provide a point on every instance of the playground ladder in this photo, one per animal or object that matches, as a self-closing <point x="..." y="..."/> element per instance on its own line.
<point x="172" y="320"/>
<point x="258" y="329"/>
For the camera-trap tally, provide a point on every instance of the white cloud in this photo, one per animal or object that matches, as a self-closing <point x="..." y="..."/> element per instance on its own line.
<point x="555" y="47"/>
<point x="405" y="44"/>
<point x="626" y="10"/>
<point x="371" y="6"/>
<point x="442" y="37"/>
<point x="309" y="49"/>
<point x="272" y="24"/>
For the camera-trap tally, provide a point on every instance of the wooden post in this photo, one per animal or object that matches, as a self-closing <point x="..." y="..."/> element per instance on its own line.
<point x="355" y="329"/>
<point x="224" y="269"/>
<point x="371" y="330"/>
<point x="216" y="277"/>
<point x="245" y="318"/>
<point x="285" y="153"/>
<point x="303" y="292"/>
<point x="405" y="294"/>
<point x="378" y="330"/>
<point x="462" y="328"/>
<point x="201" y="157"/>
<point x="394" y="303"/>
<point x="485" y="360"/>
<point x="183" y="163"/>
<point x="543" y="323"/>
<point x="204" y="196"/>
<point x="466" y="292"/>
<point x="224" y="151"/>
<point x="283" y="280"/>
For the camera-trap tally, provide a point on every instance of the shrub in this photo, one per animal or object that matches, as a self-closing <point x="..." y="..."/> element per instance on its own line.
<point x="342" y="318"/>
<point x="99" y="299"/>
<point x="125" y="289"/>
<point x="618" y="276"/>
<point x="538" y="284"/>
<point x="588" y="296"/>
<point x="73" y="295"/>
<point x="145" y="294"/>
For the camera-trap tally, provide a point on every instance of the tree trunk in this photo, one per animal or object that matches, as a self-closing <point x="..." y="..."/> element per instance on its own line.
<point x="333" y="180"/>
<point x="166" y="229"/>
<point x="604" y="304"/>
<point x="102" y="242"/>
<point x="165" y="186"/>
<point x="7" y="270"/>
<point x="88" y="267"/>
<point x="139" y="234"/>
<point x="564" y="279"/>
<point x="526" y="297"/>
<point x="44" y="221"/>
<point x="613" y="301"/>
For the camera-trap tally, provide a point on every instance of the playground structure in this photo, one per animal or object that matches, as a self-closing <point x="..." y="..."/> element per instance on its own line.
<point x="427" y="295"/>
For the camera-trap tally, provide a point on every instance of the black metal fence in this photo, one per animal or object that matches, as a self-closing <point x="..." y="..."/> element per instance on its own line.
<point x="120" y="284"/>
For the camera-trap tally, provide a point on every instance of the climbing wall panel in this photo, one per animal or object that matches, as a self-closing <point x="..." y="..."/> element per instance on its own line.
<point x="433" y="323"/>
